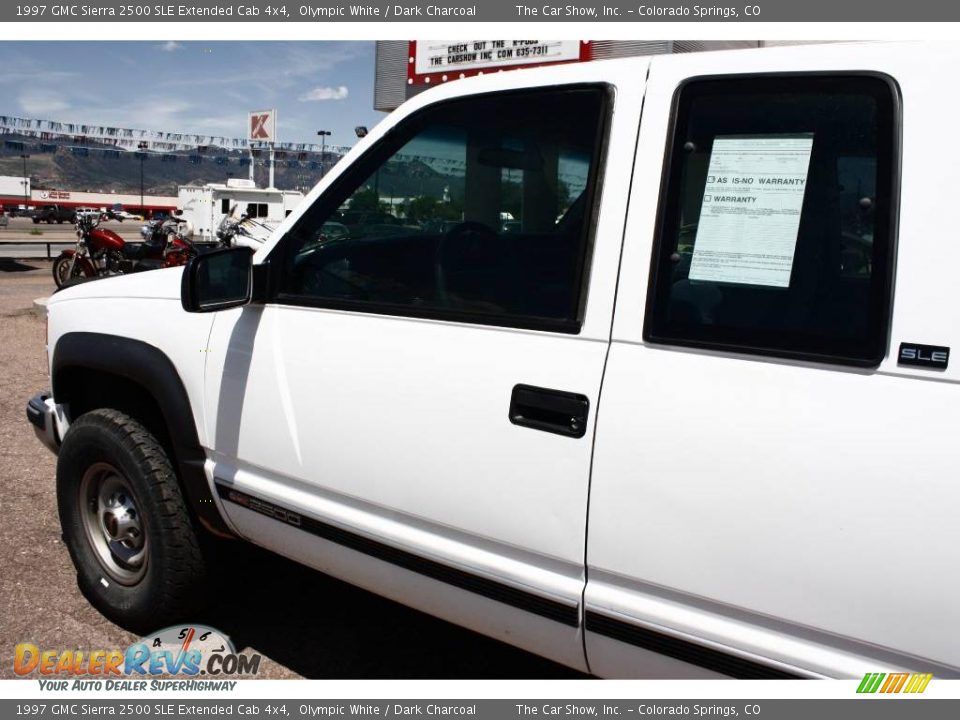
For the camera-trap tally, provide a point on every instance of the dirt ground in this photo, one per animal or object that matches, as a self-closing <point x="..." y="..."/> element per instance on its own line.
<point x="303" y="623"/>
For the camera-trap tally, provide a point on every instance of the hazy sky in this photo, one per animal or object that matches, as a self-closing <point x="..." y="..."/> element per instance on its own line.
<point x="193" y="87"/>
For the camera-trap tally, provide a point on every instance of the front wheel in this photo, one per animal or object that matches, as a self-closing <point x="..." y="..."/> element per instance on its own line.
<point x="62" y="272"/>
<point x="126" y="524"/>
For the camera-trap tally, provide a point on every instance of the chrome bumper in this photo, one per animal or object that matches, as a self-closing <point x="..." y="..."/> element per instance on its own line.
<point x="42" y="414"/>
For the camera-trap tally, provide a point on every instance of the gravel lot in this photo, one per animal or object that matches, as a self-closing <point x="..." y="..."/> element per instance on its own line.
<point x="303" y="623"/>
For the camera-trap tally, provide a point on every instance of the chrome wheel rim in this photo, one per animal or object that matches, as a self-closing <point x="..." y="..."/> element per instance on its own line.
<point x="113" y="524"/>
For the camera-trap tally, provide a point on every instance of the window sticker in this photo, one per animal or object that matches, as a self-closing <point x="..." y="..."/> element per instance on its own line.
<point x="750" y="214"/>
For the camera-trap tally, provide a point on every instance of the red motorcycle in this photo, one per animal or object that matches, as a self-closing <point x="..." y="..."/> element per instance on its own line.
<point x="100" y="251"/>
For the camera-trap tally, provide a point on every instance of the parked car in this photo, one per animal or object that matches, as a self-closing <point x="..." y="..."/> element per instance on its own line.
<point x="54" y="214"/>
<point x="702" y="424"/>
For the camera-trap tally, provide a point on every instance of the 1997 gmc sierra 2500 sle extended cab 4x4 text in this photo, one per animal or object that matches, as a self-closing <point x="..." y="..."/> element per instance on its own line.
<point x="642" y="381"/>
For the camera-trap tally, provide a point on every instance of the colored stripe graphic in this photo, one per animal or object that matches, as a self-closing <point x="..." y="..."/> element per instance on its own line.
<point x="894" y="683"/>
<point x="918" y="682"/>
<point x="903" y="679"/>
<point x="865" y="683"/>
<point x="870" y="682"/>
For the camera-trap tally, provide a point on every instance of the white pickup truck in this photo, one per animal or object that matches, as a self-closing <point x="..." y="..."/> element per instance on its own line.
<point x="689" y="414"/>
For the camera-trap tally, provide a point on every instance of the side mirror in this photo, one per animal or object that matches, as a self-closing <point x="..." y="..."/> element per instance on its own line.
<point x="218" y="280"/>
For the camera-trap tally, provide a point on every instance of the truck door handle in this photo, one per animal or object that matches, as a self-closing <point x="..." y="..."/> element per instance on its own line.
<point x="553" y="411"/>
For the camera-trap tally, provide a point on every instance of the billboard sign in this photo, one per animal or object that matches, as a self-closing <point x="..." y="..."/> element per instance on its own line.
<point x="262" y="126"/>
<point x="437" y="61"/>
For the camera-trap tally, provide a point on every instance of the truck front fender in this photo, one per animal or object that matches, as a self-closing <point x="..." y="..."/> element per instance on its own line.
<point x="90" y="370"/>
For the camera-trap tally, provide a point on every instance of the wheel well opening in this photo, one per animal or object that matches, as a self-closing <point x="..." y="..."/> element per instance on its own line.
<point x="85" y="389"/>
<point x="82" y="389"/>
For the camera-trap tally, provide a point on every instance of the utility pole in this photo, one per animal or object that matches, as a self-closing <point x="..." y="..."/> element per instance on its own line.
<point x="324" y="134"/>
<point x="142" y="147"/>
<point x="26" y="182"/>
<point x="361" y="132"/>
<point x="273" y="158"/>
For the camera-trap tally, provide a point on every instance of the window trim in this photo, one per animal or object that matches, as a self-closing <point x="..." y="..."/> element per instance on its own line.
<point x="394" y="139"/>
<point x="881" y="297"/>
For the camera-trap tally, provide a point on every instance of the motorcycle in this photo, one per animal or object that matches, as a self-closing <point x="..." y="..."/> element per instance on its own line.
<point x="89" y="257"/>
<point x="242" y="231"/>
<point x="169" y="239"/>
<point x="101" y="252"/>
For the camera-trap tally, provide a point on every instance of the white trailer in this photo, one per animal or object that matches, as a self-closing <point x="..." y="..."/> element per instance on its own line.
<point x="12" y="191"/>
<point x="205" y="206"/>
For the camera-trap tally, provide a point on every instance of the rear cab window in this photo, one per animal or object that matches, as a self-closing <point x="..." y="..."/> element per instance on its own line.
<point x="776" y="230"/>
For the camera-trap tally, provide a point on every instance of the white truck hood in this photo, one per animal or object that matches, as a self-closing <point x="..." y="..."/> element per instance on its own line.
<point x="157" y="284"/>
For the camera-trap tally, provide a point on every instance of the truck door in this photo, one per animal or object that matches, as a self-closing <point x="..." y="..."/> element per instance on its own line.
<point x="413" y="410"/>
<point x="757" y="508"/>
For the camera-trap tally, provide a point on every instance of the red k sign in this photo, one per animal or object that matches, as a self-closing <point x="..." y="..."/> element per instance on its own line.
<point x="263" y="125"/>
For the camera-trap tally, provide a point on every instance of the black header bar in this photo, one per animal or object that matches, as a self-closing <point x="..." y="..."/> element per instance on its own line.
<point x="420" y="11"/>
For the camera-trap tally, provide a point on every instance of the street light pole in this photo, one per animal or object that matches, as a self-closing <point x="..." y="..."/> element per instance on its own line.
<point x="361" y="132"/>
<point x="324" y="134"/>
<point x="26" y="182"/>
<point x="142" y="147"/>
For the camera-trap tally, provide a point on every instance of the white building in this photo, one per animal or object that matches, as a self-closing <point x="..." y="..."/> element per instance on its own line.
<point x="14" y="190"/>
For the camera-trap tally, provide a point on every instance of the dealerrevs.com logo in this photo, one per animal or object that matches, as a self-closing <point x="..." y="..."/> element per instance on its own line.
<point x="184" y="651"/>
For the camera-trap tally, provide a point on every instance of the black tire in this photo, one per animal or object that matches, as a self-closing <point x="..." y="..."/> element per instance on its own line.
<point x="171" y="580"/>
<point x="61" y="271"/>
<point x="36" y="221"/>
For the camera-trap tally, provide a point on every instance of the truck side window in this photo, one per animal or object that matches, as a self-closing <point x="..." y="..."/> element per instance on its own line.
<point x="476" y="209"/>
<point x="776" y="231"/>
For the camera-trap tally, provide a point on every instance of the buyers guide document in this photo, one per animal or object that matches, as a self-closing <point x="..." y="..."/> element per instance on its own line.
<point x="750" y="215"/>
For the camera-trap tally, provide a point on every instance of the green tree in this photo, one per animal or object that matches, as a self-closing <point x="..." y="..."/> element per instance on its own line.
<point x="366" y="200"/>
<point x="425" y="208"/>
<point x="420" y="209"/>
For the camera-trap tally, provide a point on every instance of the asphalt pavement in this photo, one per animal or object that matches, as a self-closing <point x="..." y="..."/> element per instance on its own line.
<point x="305" y="624"/>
